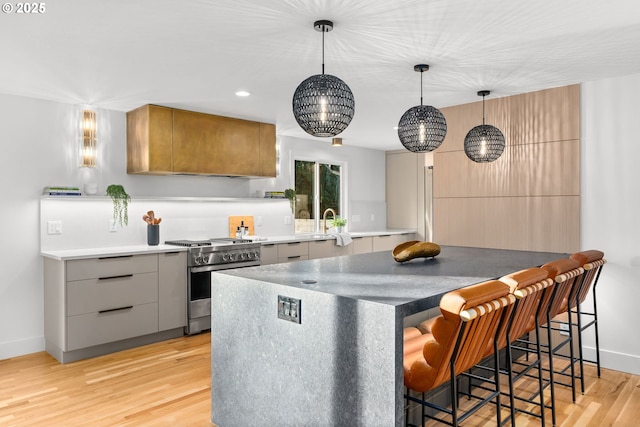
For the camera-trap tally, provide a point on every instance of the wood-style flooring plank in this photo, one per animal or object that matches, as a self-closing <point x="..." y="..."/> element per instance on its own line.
<point x="162" y="384"/>
<point x="169" y="384"/>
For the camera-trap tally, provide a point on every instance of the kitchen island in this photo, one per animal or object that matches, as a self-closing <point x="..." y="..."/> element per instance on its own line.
<point x="342" y="363"/>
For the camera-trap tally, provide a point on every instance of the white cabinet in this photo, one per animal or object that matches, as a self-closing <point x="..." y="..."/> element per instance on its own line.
<point x="361" y="245"/>
<point x="386" y="242"/>
<point x="268" y="254"/>
<point x="273" y="253"/>
<point x="98" y="305"/>
<point x="325" y="248"/>
<point x="321" y="248"/>
<point x="106" y="299"/>
<point x="172" y="290"/>
<point x="293" y="251"/>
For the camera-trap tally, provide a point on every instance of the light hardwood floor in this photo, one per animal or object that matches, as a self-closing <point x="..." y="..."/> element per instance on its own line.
<point x="168" y="384"/>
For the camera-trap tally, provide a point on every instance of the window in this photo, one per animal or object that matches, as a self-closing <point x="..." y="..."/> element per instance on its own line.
<point x="318" y="188"/>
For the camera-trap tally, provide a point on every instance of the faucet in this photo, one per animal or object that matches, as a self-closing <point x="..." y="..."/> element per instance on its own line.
<point x="324" y="218"/>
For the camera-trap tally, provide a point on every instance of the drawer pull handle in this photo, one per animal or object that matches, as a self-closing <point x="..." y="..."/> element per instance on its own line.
<point x="115" y="277"/>
<point x="172" y="253"/>
<point x="293" y="257"/>
<point x="115" y="309"/>
<point x="114" y="257"/>
<point x="385" y="235"/>
<point x="293" y="243"/>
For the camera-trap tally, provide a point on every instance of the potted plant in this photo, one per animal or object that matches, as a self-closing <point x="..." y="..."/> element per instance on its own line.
<point x="339" y="223"/>
<point x="120" y="203"/>
<point x="290" y="194"/>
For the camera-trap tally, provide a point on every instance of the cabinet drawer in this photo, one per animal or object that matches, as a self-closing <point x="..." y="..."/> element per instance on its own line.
<point x="293" y="258"/>
<point x="361" y="245"/>
<point x="92" y="295"/>
<point x="321" y="248"/>
<point x="91" y="329"/>
<point x="268" y="254"/>
<point x="95" y="268"/>
<point x="297" y="249"/>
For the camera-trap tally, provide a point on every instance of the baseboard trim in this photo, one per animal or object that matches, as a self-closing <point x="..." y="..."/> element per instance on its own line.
<point x="613" y="360"/>
<point x="112" y="347"/>
<point x="21" y="347"/>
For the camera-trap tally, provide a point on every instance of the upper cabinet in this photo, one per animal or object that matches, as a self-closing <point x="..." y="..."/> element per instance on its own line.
<point x="163" y="140"/>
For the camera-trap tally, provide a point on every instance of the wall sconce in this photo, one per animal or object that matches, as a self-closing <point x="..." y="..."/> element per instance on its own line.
<point x="336" y="142"/>
<point x="89" y="128"/>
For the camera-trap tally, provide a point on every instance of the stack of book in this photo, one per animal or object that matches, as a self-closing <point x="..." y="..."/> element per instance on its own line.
<point x="62" y="191"/>
<point x="274" y="194"/>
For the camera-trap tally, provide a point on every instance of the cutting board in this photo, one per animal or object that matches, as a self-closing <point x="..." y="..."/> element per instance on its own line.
<point x="235" y="221"/>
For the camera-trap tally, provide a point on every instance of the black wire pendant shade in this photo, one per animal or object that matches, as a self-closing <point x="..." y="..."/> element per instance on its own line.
<point x="323" y="104"/>
<point x="484" y="143"/>
<point x="422" y="128"/>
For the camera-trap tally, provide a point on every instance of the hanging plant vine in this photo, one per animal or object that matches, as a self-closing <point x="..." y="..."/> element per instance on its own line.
<point x="121" y="201"/>
<point x="290" y="194"/>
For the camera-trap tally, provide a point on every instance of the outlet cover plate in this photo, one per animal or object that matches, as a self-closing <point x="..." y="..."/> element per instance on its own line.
<point x="289" y="309"/>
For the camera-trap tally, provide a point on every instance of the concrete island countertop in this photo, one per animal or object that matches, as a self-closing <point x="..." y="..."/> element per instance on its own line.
<point x="340" y="359"/>
<point x="412" y="286"/>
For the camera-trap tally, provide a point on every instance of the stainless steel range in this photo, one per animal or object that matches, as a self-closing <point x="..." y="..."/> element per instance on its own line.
<point x="203" y="257"/>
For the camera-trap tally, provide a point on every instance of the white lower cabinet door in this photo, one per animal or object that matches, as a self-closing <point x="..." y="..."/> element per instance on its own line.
<point x="118" y="323"/>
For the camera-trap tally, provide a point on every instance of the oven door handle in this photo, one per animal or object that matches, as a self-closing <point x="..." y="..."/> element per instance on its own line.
<point x="218" y="267"/>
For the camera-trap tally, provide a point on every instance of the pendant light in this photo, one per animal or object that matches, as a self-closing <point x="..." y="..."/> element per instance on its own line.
<point x="323" y="105"/>
<point x="484" y="143"/>
<point x="422" y="128"/>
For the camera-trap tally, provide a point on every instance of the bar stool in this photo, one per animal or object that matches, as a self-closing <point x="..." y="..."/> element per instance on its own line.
<point x="592" y="262"/>
<point x="529" y="286"/>
<point x="455" y="342"/>
<point x="566" y="274"/>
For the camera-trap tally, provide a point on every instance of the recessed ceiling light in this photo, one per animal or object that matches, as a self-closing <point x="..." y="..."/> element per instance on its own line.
<point x="242" y="93"/>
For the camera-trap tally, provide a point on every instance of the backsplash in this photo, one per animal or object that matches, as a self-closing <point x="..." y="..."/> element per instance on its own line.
<point x="85" y="221"/>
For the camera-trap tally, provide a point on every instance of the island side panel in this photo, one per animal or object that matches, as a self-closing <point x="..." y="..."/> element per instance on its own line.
<point x="337" y="367"/>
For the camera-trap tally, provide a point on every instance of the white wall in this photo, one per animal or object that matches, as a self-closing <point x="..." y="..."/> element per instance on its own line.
<point x="39" y="148"/>
<point x="610" y="209"/>
<point x="365" y="177"/>
<point x="38" y="145"/>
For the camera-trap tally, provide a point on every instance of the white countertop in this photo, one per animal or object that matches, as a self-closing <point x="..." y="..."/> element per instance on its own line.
<point x="69" y="254"/>
<point x="320" y="236"/>
<point x="82" y="253"/>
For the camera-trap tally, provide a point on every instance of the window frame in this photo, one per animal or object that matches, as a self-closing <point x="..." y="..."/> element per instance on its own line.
<point x="316" y="187"/>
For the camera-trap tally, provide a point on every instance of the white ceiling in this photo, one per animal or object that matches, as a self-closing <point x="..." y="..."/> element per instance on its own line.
<point x="195" y="54"/>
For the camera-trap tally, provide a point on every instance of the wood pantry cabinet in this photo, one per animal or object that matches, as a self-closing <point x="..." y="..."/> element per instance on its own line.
<point x="164" y="141"/>
<point x="96" y="306"/>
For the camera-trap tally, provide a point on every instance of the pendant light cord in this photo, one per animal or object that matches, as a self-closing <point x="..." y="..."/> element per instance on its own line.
<point x="421" y="72"/>
<point x="483" y="109"/>
<point x="323" y="31"/>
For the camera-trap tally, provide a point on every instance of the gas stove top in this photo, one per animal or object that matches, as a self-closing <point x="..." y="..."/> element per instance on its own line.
<point x="220" y="251"/>
<point x="214" y="242"/>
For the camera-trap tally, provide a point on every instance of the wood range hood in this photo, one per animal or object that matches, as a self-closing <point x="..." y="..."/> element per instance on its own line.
<point x="169" y="141"/>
